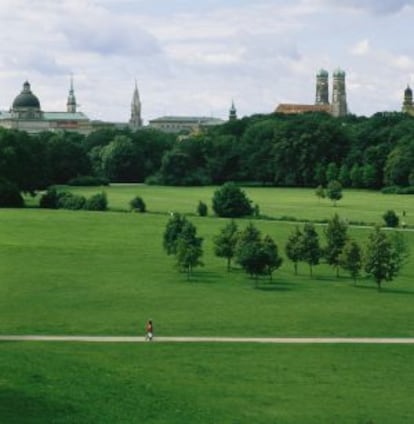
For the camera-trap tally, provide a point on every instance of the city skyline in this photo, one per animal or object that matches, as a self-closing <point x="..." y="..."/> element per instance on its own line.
<point x="193" y="58"/>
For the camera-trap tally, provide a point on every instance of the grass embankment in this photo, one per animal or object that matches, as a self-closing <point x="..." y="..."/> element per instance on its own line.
<point x="158" y="383"/>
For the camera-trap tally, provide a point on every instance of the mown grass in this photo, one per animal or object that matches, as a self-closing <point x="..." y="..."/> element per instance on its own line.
<point x="66" y="272"/>
<point x="205" y="383"/>
<point x="363" y="206"/>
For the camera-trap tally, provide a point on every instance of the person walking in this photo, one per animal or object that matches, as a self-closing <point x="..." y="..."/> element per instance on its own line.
<point x="150" y="330"/>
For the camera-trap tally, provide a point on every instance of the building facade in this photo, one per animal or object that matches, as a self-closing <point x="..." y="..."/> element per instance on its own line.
<point x="26" y="114"/>
<point x="184" y="124"/>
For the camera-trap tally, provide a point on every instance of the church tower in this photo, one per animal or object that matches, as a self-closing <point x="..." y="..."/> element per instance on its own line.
<point x="135" y="121"/>
<point x="322" y="88"/>
<point x="71" y="103"/>
<point x="339" y="105"/>
<point x="232" y="112"/>
<point x="408" y="100"/>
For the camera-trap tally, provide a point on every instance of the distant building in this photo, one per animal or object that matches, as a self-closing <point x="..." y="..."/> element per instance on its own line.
<point x="184" y="124"/>
<point x="27" y="115"/>
<point x="408" y="106"/>
<point x="337" y="108"/>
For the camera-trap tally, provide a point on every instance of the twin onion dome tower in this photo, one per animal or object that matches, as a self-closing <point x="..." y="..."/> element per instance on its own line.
<point x="338" y="105"/>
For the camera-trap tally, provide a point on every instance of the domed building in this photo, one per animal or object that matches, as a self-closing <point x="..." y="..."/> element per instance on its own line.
<point x="27" y="115"/>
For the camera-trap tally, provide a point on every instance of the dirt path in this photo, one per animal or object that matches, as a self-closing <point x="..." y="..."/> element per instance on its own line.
<point x="276" y="340"/>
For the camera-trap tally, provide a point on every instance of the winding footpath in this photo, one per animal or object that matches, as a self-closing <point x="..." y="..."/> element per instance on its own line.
<point x="270" y="340"/>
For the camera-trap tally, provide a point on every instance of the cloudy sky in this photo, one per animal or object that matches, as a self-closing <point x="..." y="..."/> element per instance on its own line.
<point x="192" y="57"/>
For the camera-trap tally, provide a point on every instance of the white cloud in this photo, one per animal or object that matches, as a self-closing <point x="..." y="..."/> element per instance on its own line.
<point x="194" y="57"/>
<point x="362" y="48"/>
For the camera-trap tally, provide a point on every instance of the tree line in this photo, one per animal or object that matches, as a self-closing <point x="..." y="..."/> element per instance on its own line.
<point x="381" y="257"/>
<point x="305" y="150"/>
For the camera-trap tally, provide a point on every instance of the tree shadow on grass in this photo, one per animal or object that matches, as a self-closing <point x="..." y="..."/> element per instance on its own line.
<point x="206" y="277"/>
<point x="273" y="286"/>
<point x="385" y="289"/>
<point x="20" y="407"/>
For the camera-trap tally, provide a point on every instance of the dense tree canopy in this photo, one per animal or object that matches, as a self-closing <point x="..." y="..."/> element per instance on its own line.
<point x="306" y="150"/>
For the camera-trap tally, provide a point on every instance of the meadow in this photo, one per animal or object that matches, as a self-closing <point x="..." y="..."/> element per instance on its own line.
<point x="65" y="272"/>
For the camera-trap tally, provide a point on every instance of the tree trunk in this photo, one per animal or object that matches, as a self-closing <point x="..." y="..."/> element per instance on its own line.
<point x="310" y="268"/>
<point x="228" y="264"/>
<point x="295" y="264"/>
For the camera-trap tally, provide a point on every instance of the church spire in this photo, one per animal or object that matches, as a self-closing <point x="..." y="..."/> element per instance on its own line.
<point x="135" y="121"/>
<point x="71" y="103"/>
<point x="232" y="112"/>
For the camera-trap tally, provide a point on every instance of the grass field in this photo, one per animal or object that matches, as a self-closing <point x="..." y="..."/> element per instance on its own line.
<point x="226" y="384"/>
<point x="64" y="272"/>
<point x="106" y="273"/>
<point x="356" y="205"/>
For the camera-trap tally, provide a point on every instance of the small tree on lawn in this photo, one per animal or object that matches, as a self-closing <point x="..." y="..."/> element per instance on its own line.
<point x="273" y="260"/>
<point x="202" y="209"/>
<point x="334" y="191"/>
<point x="384" y="256"/>
<point x="172" y="231"/>
<point x="336" y="236"/>
<point x="350" y="259"/>
<point x="225" y="242"/>
<point x="189" y="249"/>
<point x="391" y="219"/>
<point x="310" y="245"/>
<point x="138" y="204"/>
<point x="231" y="201"/>
<point x="320" y="192"/>
<point x="294" y="248"/>
<point x="256" y="256"/>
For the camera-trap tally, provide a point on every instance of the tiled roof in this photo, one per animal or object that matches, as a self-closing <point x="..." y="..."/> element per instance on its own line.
<point x="297" y="108"/>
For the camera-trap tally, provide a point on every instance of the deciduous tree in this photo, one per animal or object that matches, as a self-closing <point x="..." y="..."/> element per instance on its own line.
<point x="226" y="241"/>
<point x="336" y="235"/>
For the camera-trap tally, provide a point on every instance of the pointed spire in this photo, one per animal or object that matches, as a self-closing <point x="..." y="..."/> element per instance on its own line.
<point x="232" y="112"/>
<point x="71" y="103"/>
<point x="135" y="121"/>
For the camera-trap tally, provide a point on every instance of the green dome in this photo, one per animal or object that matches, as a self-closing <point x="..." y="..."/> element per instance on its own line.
<point x="339" y="73"/>
<point x="26" y="99"/>
<point x="408" y="92"/>
<point x="323" y="73"/>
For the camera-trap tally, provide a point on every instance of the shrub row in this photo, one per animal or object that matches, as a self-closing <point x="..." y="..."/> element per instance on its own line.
<point x="398" y="190"/>
<point x="53" y="199"/>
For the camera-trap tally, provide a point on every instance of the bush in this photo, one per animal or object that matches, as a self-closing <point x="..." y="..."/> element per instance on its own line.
<point x="10" y="196"/>
<point x="97" y="202"/>
<point x="88" y="180"/>
<point x="202" y="208"/>
<point x="398" y="190"/>
<point x="70" y="201"/>
<point x="137" y="204"/>
<point x="391" y="219"/>
<point x="230" y="201"/>
<point x="49" y="200"/>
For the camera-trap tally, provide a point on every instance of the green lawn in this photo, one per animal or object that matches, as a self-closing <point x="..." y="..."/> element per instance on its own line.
<point x="64" y="272"/>
<point x="69" y="272"/>
<point x="205" y="383"/>
<point x="356" y="205"/>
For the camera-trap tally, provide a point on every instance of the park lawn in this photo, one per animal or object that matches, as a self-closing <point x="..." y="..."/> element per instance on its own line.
<point x="64" y="272"/>
<point x="157" y="383"/>
<point x="359" y="206"/>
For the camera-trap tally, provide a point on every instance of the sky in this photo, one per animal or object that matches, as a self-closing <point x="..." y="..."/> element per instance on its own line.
<point x="193" y="57"/>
